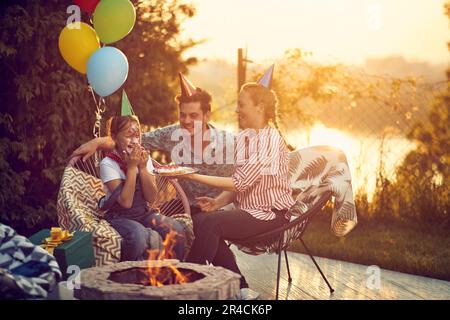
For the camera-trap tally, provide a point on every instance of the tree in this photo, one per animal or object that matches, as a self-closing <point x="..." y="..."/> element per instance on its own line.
<point x="421" y="191"/>
<point x="46" y="109"/>
<point x="154" y="52"/>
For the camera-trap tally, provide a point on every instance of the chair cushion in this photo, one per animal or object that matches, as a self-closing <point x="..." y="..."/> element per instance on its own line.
<point x="77" y="208"/>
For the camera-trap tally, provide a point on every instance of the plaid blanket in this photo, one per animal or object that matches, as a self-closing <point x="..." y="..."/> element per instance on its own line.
<point x="26" y="270"/>
<point x="77" y="207"/>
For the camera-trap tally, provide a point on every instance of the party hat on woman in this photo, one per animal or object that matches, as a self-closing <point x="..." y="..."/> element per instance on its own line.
<point x="266" y="79"/>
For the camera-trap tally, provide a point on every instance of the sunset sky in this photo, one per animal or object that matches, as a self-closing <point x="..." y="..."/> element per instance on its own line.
<point x="346" y="31"/>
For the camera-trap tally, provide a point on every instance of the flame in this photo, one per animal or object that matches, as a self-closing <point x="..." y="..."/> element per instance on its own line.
<point x="159" y="276"/>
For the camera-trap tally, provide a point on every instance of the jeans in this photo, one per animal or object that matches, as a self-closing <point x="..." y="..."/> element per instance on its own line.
<point x="212" y="229"/>
<point x="134" y="243"/>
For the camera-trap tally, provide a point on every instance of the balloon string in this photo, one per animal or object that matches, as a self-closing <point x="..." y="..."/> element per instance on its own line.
<point x="98" y="118"/>
<point x="93" y="95"/>
<point x="100" y="109"/>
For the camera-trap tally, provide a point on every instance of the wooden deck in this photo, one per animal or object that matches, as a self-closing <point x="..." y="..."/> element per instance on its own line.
<point x="348" y="279"/>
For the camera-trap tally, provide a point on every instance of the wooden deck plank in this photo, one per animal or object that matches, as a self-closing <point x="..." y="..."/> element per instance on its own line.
<point x="427" y="288"/>
<point x="264" y="280"/>
<point x="354" y="276"/>
<point x="305" y="278"/>
<point x="340" y="278"/>
<point x="348" y="280"/>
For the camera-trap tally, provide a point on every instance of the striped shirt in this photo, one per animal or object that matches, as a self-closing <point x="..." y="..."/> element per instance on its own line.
<point x="261" y="173"/>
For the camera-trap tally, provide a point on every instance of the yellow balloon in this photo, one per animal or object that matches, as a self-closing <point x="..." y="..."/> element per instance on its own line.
<point x="77" y="42"/>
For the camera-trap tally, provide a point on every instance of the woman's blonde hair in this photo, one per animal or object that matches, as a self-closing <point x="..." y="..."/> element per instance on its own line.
<point x="268" y="98"/>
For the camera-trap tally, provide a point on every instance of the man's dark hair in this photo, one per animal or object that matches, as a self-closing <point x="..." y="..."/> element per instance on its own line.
<point x="199" y="95"/>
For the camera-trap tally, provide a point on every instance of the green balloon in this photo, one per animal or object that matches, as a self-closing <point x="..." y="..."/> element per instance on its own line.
<point x="114" y="19"/>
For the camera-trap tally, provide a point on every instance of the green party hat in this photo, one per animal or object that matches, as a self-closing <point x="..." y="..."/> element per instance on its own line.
<point x="127" y="109"/>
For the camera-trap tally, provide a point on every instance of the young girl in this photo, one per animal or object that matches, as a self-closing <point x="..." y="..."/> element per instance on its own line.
<point x="130" y="188"/>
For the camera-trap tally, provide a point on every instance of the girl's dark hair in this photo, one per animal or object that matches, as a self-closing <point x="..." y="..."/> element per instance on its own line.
<point x="116" y="124"/>
<point x="260" y="94"/>
<point x="199" y="95"/>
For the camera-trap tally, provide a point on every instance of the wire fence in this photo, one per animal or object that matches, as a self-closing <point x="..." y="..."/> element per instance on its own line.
<point x="367" y="116"/>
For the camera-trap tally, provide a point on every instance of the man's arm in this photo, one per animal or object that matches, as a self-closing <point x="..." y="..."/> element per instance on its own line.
<point x="158" y="139"/>
<point x="87" y="149"/>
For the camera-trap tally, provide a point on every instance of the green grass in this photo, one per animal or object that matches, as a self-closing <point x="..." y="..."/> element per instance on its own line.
<point x="410" y="249"/>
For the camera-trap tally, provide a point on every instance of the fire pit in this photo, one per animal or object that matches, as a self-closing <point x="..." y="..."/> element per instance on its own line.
<point x="158" y="280"/>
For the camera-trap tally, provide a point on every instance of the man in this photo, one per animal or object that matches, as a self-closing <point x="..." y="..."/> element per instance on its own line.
<point x="194" y="142"/>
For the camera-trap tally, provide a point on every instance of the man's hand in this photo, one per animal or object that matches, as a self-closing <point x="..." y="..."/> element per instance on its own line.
<point x="207" y="204"/>
<point x="87" y="149"/>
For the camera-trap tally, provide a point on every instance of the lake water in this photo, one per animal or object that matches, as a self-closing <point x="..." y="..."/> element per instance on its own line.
<point x="365" y="154"/>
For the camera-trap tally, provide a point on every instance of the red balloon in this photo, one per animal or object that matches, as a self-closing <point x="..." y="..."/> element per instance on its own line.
<point x="87" y="5"/>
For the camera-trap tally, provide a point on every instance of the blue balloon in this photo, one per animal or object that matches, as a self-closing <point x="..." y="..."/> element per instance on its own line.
<point x="107" y="70"/>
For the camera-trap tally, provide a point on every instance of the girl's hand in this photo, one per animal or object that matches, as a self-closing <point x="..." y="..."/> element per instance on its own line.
<point x="134" y="158"/>
<point x="144" y="159"/>
<point x="207" y="204"/>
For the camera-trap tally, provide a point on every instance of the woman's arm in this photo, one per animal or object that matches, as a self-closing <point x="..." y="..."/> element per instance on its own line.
<point x="225" y="198"/>
<point x="125" y="199"/>
<point x="224" y="183"/>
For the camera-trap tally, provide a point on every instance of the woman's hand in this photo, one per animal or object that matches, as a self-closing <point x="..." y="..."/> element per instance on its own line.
<point x="134" y="158"/>
<point x="207" y="204"/>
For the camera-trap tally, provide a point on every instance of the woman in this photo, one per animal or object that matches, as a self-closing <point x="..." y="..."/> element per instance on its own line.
<point x="258" y="187"/>
<point x="130" y="188"/>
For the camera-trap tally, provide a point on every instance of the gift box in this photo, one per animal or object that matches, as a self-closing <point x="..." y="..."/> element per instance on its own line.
<point x="78" y="251"/>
